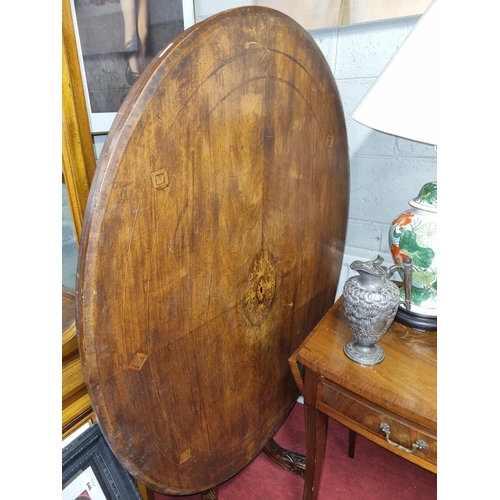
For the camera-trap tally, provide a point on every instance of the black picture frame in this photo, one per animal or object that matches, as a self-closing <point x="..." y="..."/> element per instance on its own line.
<point x="89" y="455"/>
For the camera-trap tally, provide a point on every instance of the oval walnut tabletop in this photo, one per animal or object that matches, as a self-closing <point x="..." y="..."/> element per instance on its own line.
<point x="212" y="245"/>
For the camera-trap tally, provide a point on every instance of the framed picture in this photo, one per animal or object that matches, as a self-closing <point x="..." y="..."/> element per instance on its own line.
<point x="91" y="471"/>
<point x="116" y="40"/>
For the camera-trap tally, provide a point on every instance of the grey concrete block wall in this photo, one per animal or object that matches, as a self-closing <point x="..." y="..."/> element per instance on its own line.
<point x="386" y="171"/>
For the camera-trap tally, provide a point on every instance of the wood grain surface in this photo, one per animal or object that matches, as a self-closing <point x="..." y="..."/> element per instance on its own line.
<point x="76" y="407"/>
<point x="404" y="383"/>
<point x="212" y="245"/>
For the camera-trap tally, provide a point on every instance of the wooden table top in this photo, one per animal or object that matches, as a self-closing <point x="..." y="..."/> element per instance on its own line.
<point x="211" y="246"/>
<point x="404" y="383"/>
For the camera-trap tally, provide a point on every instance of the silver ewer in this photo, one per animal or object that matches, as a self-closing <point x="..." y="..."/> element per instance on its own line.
<point x="371" y="301"/>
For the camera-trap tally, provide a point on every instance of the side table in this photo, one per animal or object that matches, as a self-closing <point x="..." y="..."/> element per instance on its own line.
<point x="393" y="404"/>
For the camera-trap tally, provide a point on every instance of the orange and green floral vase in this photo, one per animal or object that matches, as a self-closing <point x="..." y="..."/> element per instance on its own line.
<point x="414" y="234"/>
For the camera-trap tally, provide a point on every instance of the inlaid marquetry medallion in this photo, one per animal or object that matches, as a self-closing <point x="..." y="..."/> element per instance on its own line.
<point x="260" y="289"/>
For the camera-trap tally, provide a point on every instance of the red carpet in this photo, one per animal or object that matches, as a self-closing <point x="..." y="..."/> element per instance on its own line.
<point x="374" y="474"/>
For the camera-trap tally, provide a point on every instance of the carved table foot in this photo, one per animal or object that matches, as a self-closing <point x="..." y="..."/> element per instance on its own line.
<point x="210" y="494"/>
<point x="293" y="462"/>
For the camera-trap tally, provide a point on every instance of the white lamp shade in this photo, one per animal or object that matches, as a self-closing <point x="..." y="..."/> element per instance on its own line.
<point x="402" y="100"/>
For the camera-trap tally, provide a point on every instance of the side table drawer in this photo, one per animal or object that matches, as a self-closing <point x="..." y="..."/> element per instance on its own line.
<point x="366" y="418"/>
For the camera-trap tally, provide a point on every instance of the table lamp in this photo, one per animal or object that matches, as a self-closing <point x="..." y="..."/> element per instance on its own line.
<point x="402" y="102"/>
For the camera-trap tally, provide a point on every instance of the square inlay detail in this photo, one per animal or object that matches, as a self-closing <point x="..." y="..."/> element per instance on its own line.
<point x="138" y="361"/>
<point x="160" y="179"/>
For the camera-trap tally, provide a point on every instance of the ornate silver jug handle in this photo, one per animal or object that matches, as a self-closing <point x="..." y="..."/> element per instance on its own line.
<point x="417" y="445"/>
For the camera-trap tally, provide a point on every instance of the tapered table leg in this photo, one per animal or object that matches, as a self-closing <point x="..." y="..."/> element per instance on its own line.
<point x="352" y="442"/>
<point x="316" y="429"/>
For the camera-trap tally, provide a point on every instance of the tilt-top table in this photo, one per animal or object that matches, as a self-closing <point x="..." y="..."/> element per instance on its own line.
<point x="212" y="244"/>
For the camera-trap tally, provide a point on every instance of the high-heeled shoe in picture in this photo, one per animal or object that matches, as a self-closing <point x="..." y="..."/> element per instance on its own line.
<point x="131" y="76"/>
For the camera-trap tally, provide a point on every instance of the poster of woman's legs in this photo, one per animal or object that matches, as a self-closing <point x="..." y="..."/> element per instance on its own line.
<point x="118" y="39"/>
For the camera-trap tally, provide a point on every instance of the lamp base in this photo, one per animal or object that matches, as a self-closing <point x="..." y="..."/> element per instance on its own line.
<point x="418" y="322"/>
<point x="364" y="354"/>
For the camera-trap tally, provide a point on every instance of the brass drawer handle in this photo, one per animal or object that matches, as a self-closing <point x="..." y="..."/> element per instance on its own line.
<point x="419" y="444"/>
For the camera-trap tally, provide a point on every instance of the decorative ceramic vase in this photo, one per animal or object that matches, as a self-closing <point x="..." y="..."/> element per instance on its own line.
<point x="370" y="305"/>
<point x="414" y="234"/>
